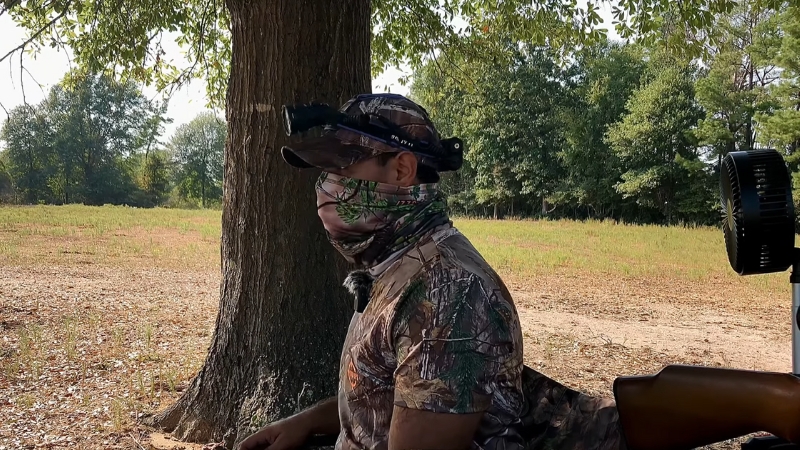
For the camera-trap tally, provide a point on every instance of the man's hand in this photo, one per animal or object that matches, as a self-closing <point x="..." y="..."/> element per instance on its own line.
<point x="286" y="434"/>
<point x="414" y="429"/>
<point x="293" y="432"/>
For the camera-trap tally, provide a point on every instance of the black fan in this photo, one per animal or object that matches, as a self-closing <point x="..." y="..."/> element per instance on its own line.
<point x="758" y="221"/>
<point x="758" y="213"/>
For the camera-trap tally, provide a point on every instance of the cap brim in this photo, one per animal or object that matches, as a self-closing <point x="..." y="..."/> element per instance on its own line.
<point x="293" y="160"/>
<point x="324" y="153"/>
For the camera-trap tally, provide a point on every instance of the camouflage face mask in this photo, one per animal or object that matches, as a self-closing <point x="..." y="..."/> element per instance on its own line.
<point x="368" y="221"/>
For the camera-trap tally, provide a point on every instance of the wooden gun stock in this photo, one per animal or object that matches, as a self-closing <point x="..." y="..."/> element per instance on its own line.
<point x="684" y="407"/>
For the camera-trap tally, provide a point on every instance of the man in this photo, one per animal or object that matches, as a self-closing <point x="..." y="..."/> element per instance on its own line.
<point x="433" y="355"/>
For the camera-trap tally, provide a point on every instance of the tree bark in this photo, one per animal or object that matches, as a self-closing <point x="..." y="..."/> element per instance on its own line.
<point x="283" y="313"/>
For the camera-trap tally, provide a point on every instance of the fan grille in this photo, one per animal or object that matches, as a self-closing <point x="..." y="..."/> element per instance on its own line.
<point x="758" y="214"/>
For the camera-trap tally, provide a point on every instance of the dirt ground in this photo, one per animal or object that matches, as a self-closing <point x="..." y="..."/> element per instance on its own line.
<point x="86" y="349"/>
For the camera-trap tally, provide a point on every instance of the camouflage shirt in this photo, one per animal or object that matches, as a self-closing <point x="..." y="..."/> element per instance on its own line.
<point x="440" y="333"/>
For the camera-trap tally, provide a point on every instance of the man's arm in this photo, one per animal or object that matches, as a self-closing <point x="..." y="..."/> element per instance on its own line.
<point x="414" y="429"/>
<point x="323" y="418"/>
<point x="457" y="350"/>
<point x="294" y="431"/>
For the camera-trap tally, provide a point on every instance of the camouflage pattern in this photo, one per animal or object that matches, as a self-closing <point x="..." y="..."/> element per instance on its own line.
<point x="342" y="147"/>
<point x="409" y="117"/>
<point x="366" y="220"/>
<point x="557" y="417"/>
<point x="441" y="334"/>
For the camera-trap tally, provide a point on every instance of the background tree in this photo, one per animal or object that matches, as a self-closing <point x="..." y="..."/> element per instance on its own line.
<point x="63" y="110"/>
<point x="28" y="153"/>
<point x="198" y="148"/>
<point x="155" y="178"/>
<point x="654" y="141"/>
<point x="742" y="66"/>
<point x="509" y="116"/>
<point x="781" y="126"/>
<point x="600" y="83"/>
<point x="108" y="119"/>
<point x="6" y="182"/>
<point x="445" y="101"/>
<point x="79" y="145"/>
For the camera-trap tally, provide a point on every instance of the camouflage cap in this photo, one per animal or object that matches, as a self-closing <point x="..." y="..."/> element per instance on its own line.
<point x="340" y="147"/>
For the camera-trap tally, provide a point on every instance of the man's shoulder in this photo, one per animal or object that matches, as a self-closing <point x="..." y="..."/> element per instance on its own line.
<point x="447" y="276"/>
<point x="460" y="263"/>
<point x="457" y="252"/>
<point x="444" y="250"/>
<point x="446" y="247"/>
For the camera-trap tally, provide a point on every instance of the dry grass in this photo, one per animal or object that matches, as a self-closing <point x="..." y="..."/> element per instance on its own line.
<point x="105" y="315"/>
<point x="109" y="236"/>
<point x="87" y="352"/>
<point x="106" y="312"/>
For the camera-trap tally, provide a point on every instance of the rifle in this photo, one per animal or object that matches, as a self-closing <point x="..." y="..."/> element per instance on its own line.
<point x="684" y="407"/>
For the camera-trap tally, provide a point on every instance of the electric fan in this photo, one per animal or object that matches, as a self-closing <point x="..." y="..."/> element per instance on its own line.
<point x="758" y="214"/>
<point x="758" y="221"/>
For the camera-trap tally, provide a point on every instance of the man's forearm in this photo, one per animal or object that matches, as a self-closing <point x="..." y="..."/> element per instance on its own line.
<point x="323" y="418"/>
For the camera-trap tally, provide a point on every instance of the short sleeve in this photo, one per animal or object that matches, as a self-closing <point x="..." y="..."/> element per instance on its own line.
<point x="452" y="340"/>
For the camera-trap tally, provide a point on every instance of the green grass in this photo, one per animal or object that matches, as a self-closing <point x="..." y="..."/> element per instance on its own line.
<point x="533" y="247"/>
<point x="112" y="235"/>
<point x="523" y="249"/>
<point x="528" y="248"/>
<point x="98" y="221"/>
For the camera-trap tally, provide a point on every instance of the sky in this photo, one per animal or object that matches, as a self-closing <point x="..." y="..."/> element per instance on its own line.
<point x="50" y="65"/>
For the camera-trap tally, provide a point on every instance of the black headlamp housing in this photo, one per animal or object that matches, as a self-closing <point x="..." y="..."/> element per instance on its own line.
<point x="297" y="119"/>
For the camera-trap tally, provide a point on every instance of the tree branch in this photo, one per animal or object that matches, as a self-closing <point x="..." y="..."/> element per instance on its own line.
<point x="21" y="81"/>
<point x="21" y="47"/>
<point x="443" y="47"/>
<point x="11" y="73"/>
<point x="8" y="116"/>
<point x="63" y="47"/>
<point x="41" y="88"/>
<point x="8" y="4"/>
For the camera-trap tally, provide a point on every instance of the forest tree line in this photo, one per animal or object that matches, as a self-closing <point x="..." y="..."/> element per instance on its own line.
<point x="97" y="141"/>
<point x="620" y="131"/>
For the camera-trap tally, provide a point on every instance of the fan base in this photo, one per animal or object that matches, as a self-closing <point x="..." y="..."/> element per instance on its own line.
<point x="771" y="442"/>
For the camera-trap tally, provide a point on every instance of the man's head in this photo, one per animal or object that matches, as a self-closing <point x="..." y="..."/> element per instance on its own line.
<point x="379" y="137"/>
<point x="398" y="169"/>
<point x="380" y="155"/>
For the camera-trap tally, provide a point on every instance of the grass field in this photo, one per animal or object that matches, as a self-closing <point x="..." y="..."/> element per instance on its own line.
<point x="106" y="312"/>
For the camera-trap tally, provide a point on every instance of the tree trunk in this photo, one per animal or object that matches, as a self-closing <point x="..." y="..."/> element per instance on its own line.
<point x="495" y="211"/>
<point x="283" y="313"/>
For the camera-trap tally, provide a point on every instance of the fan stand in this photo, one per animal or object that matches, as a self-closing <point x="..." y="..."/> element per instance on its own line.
<point x="774" y="442"/>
